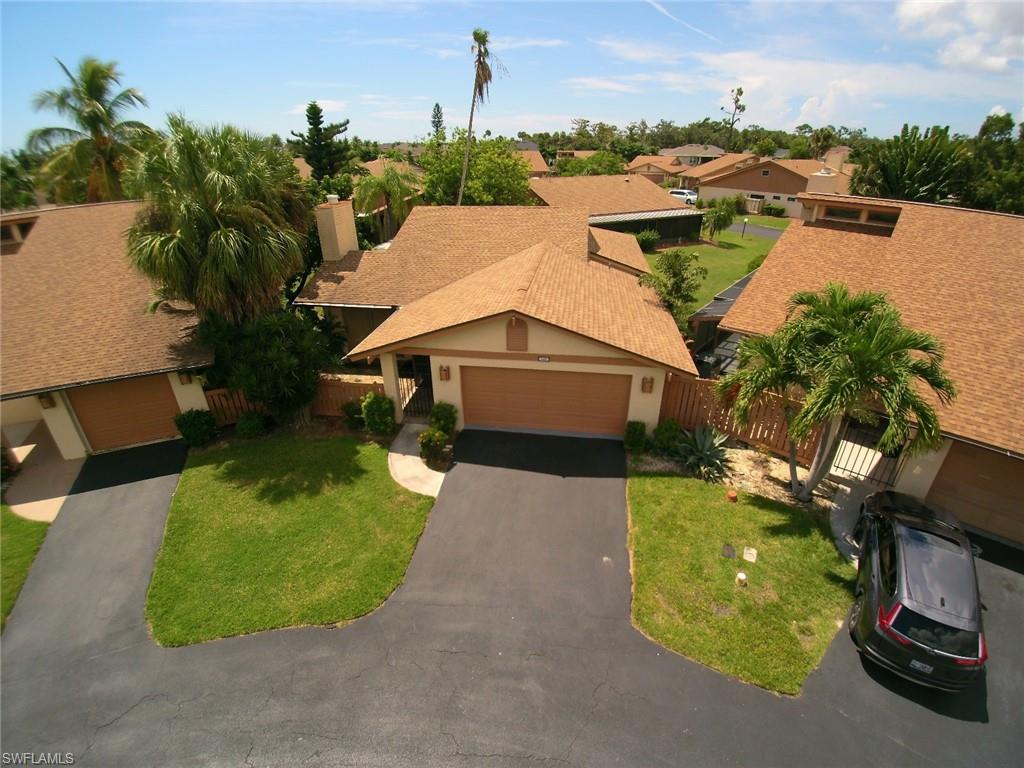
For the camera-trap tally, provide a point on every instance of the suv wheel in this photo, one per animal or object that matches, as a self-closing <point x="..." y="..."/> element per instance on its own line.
<point x="854" y="617"/>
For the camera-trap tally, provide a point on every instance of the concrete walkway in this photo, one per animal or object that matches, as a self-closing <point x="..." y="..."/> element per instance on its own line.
<point x="45" y="478"/>
<point x="406" y="466"/>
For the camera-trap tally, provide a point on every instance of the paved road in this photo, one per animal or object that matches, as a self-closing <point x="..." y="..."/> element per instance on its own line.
<point x="509" y="643"/>
<point x="757" y="229"/>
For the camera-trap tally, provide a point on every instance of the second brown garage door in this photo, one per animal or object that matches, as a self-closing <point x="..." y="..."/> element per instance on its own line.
<point x="559" y="401"/>
<point x="126" y="412"/>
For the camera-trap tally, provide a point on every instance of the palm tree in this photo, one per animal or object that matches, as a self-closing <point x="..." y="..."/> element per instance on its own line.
<point x="100" y="145"/>
<point x="851" y="355"/>
<point x="392" y="193"/>
<point x="924" y="168"/>
<point x="224" y="221"/>
<point x="481" y="87"/>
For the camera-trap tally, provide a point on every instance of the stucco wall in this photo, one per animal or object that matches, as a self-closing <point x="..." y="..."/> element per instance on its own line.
<point x="189" y="396"/>
<point x="779" y="181"/>
<point x="63" y="428"/>
<point x="489" y="336"/>
<point x="20" y="410"/>
<point x="793" y="209"/>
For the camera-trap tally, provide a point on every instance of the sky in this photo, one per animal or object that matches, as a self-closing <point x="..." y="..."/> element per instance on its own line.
<point x="383" y="64"/>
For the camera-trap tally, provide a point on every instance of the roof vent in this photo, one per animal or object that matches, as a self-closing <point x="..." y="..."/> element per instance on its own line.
<point x="333" y="199"/>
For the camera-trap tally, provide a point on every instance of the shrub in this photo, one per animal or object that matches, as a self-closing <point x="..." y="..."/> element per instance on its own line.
<point x="443" y="417"/>
<point x="353" y="412"/>
<point x="432" y="442"/>
<point x="636" y="436"/>
<point x="648" y="239"/>
<point x="701" y="203"/>
<point x="702" y="454"/>
<point x="773" y="210"/>
<point x="196" y="427"/>
<point x="378" y="413"/>
<point x="756" y="262"/>
<point x="251" y="424"/>
<point x="666" y="436"/>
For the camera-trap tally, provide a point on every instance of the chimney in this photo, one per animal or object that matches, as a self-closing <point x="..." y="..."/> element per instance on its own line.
<point x="824" y="181"/>
<point x="336" y="223"/>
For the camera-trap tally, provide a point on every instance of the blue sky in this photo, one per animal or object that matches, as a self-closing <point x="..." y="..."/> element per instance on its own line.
<point x="384" y="64"/>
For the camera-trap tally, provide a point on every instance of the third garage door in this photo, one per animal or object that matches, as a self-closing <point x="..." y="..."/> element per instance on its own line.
<point x="559" y="401"/>
<point x="126" y="412"/>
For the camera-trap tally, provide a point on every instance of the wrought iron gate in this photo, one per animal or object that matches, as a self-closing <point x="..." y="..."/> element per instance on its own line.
<point x="859" y="458"/>
<point x="415" y="387"/>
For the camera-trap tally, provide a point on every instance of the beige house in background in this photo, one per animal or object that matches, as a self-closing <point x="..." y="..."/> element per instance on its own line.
<point x="693" y="154"/>
<point x="525" y="318"/>
<point x="82" y="358"/>
<point x="538" y="165"/>
<point x="777" y="182"/>
<point x="954" y="273"/>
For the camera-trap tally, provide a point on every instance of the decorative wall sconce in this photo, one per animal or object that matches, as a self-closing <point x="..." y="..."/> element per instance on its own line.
<point x="46" y="400"/>
<point x="444" y="373"/>
<point x="184" y="377"/>
<point x="647" y="384"/>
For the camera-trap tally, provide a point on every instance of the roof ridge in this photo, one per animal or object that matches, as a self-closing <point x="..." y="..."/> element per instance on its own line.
<point x="892" y="201"/>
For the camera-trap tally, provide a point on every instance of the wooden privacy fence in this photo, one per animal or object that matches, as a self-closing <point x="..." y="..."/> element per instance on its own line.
<point x="693" y="403"/>
<point x="332" y="393"/>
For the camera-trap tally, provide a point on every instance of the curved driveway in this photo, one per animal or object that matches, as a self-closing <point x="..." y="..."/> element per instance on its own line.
<point x="508" y="644"/>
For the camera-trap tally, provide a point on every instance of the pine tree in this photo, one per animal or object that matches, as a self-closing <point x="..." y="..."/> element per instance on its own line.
<point x="437" y="122"/>
<point x="325" y="156"/>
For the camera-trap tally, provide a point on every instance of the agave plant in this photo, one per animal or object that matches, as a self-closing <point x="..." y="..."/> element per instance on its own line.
<point x="702" y="454"/>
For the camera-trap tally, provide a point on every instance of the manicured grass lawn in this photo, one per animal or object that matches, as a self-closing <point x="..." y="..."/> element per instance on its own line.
<point x="726" y="262"/>
<point x="771" y="633"/>
<point x="774" y="222"/>
<point x="280" y="532"/>
<point x="20" y="540"/>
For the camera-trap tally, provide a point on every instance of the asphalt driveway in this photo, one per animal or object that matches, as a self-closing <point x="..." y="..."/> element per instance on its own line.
<point x="509" y="643"/>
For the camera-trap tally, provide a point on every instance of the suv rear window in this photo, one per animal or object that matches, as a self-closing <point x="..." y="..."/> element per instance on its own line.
<point x="941" y="637"/>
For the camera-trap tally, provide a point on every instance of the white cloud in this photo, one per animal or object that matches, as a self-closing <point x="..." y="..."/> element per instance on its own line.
<point x="446" y="53"/>
<point x="973" y="52"/>
<point x="509" y="124"/>
<point x="664" y="12"/>
<point x="984" y="36"/>
<point x="606" y="84"/>
<point x="639" y="50"/>
<point x="328" y="106"/>
<point x="998" y="110"/>
<point x="511" y="43"/>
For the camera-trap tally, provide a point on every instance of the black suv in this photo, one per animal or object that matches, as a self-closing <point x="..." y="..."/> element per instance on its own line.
<point x="917" y="610"/>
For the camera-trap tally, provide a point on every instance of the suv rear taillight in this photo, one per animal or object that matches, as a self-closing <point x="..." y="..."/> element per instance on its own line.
<point x="982" y="654"/>
<point x="885" y="621"/>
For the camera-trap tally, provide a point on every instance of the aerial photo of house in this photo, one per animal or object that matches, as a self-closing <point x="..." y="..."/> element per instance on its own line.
<point x="440" y="384"/>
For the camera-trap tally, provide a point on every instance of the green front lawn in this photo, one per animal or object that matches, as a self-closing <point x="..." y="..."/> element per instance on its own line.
<point x="726" y="261"/>
<point x="774" y="631"/>
<point x="20" y="540"/>
<point x="280" y="532"/>
<point x="773" y="222"/>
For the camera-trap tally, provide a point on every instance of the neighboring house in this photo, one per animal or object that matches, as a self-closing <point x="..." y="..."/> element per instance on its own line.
<point x="777" y="182"/>
<point x="525" y="318"/>
<point x="954" y="273"/>
<point x="527" y="145"/>
<point x="567" y="153"/>
<point x="538" y="166"/>
<point x="376" y="167"/>
<point x="694" y="154"/>
<point x="693" y="176"/>
<point x="623" y="203"/>
<point x="80" y="351"/>
<point x="657" y="168"/>
<point x="415" y="151"/>
<point x="305" y="169"/>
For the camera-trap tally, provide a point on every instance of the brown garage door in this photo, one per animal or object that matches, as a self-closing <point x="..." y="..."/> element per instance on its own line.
<point x="983" y="488"/>
<point x="120" y="413"/>
<point x="560" y="401"/>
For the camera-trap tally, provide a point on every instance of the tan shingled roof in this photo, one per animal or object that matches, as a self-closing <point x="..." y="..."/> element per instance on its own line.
<point x="305" y="169"/>
<point x="376" y="167"/>
<point x="535" y="159"/>
<point x="722" y="164"/>
<point x="605" y="194"/>
<point x="74" y="310"/>
<point x="439" y="244"/>
<point x="693" y="150"/>
<point x="664" y="163"/>
<point x="804" y="168"/>
<point x="952" y="272"/>
<point x="621" y="247"/>
<point x="557" y="286"/>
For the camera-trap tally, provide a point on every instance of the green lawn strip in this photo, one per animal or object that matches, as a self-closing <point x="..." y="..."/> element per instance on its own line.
<point x="280" y="532"/>
<point x="773" y="222"/>
<point x="20" y="540"/>
<point x="725" y="262"/>
<point x="772" y="633"/>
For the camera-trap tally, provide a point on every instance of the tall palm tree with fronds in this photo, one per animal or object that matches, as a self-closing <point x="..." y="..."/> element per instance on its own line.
<point x="482" y="77"/>
<point x="921" y="167"/>
<point x="224" y="220"/>
<point x="392" y="194"/>
<point x="100" y="145"/>
<point x="852" y="356"/>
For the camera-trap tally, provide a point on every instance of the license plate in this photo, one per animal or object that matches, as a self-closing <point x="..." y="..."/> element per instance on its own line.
<point x="920" y="666"/>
